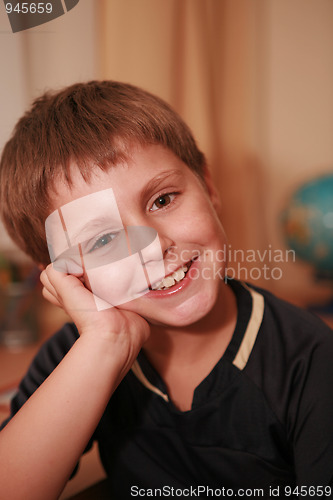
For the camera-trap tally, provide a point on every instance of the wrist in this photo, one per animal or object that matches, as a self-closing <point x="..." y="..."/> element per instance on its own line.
<point x="113" y="349"/>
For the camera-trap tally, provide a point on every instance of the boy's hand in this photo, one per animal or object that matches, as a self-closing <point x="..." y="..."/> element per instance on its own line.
<point x="127" y="330"/>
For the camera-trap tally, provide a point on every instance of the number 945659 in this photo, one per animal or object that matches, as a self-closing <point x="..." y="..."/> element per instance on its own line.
<point x="28" y="8"/>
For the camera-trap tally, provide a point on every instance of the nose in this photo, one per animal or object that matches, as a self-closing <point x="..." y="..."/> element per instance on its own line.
<point x="146" y="240"/>
<point x="166" y="244"/>
<point x="139" y="220"/>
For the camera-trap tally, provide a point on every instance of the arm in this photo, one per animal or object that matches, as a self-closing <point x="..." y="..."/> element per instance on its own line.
<point x="41" y="445"/>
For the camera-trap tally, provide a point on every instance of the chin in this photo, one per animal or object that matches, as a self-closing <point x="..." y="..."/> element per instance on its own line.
<point x="196" y="308"/>
<point x="189" y="312"/>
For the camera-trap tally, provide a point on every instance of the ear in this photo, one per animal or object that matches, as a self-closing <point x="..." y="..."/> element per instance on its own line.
<point x="213" y="194"/>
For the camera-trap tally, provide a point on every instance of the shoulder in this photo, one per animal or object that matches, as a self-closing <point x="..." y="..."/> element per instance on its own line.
<point x="295" y="326"/>
<point x="287" y="357"/>
<point x="292" y="355"/>
<point x="276" y="331"/>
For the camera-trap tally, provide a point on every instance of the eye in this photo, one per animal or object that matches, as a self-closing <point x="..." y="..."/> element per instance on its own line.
<point x="103" y="241"/>
<point x="162" y="201"/>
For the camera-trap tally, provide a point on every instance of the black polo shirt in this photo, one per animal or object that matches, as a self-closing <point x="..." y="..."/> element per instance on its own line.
<point x="262" y="419"/>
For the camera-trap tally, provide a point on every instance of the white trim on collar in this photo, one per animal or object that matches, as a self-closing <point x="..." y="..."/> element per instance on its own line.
<point x="245" y="348"/>
<point x="251" y="332"/>
<point x="136" y="369"/>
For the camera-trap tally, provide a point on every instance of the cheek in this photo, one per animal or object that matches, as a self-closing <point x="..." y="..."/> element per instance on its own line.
<point x="201" y="228"/>
<point x="119" y="282"/>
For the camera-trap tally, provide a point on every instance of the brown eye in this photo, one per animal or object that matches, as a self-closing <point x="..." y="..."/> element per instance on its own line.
<point x="162" y="201"/>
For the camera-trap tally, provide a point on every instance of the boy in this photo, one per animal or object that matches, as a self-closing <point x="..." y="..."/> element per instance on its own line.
<point x="192" y="384"/>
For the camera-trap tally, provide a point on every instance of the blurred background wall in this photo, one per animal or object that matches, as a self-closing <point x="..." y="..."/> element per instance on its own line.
<point x="253" y="78"/>
<point x="49" y="56"/>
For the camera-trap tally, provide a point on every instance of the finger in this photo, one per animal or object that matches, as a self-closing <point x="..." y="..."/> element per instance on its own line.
<point x="50" y="298"/>
<point x="46" y="283"/>
<point x="69" y="290"/>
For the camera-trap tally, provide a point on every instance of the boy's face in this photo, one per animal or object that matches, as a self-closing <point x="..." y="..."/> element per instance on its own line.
<point x="133" y="225"/>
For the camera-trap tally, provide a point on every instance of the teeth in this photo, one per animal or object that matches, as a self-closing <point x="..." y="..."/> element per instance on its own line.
<point x="169" y="281"/>
<point x="178" y="275"/>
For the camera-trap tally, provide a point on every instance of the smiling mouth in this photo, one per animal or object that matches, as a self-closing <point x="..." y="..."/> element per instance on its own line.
<point x="170" y="280"/>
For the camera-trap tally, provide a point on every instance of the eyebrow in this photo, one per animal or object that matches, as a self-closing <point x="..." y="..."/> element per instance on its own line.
<point x="154" y="183"/>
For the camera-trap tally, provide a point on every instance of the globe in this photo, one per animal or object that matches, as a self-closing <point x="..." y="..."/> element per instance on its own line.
<point x="307" y="223"/>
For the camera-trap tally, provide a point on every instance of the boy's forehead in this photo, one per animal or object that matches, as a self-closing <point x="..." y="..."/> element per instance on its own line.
<point x="79" y="185"/>
<point x="145" y="169"/>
